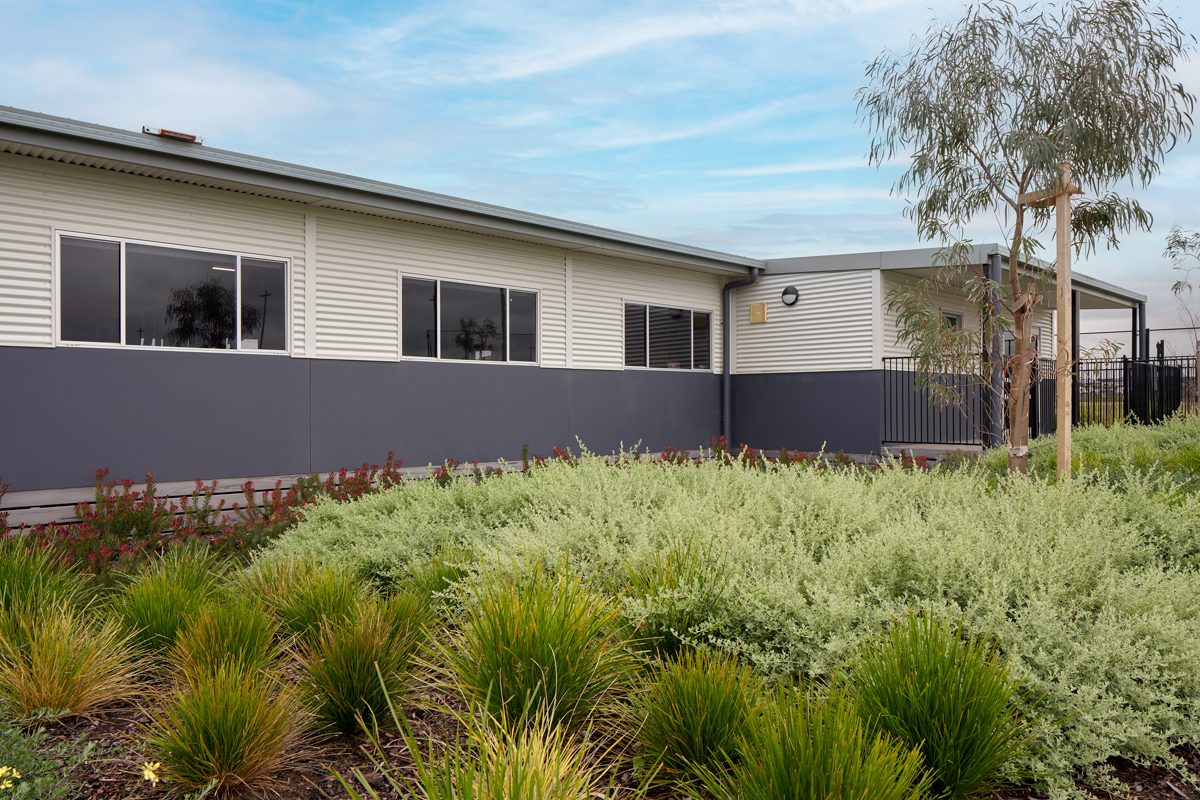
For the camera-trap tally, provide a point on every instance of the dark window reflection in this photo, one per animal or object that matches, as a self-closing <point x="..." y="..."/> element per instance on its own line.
<point x="635" y="335"/>
<point x="90" y="290"/>
<point x="181" y="298"/>
<point x="419" y="333"/>
<point x="472" y="322"/>
<point x="264" y="305"/>
<point x="701" y="341"/>
<point x="522" y="326"/>
<point x="670" y="338"/>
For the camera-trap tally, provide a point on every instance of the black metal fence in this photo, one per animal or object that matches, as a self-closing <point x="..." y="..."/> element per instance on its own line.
<point x="1138" y="391"/>
<point x="912" y="415"/>
<point x="1108" y="391"/>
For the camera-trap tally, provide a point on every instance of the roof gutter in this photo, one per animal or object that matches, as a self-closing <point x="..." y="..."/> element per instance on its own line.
<point x="726" y="392"/>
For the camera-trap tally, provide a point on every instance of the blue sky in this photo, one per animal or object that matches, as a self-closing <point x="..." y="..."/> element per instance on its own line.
<point x="726" y="125"/>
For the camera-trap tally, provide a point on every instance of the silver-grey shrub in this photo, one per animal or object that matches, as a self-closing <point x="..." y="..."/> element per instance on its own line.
<point x="1080" y="585"/>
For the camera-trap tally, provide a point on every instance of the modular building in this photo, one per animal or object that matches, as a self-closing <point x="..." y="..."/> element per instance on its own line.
<point x="169" y="306"/>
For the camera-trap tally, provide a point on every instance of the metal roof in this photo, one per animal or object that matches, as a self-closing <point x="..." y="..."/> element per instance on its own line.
<point x="58" y="139"/>
<point x="921" y="258"/>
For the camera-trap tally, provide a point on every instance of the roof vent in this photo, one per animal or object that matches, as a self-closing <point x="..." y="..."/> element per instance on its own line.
<point x="176" y="135"/>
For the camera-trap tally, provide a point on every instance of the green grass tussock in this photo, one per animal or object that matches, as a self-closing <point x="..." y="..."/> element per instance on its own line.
<point x="301" y="594"/>
<point x="1091" y="590"/>
<point x="57" y="662"/>
<point x="234" y="632"/>
<point x="231" y="728"/>
<point x="946" y="694"/>
<point x="356" y="664"/>
<point x="812" y="746"/>
<point x="537" y="643"/>
<point x="694" y="711"/>
<point x="31" y="584"/>
<point x="156" y="604"/>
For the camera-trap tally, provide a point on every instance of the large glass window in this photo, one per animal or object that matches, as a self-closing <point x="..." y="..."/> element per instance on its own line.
<point x="467" y="322"/>
<point x="91" y="291"/>
<point x="667" y="338"/>
<point x="173" y="297"/>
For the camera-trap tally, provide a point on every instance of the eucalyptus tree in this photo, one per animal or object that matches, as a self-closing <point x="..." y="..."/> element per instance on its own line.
<point x="985" y="108"/>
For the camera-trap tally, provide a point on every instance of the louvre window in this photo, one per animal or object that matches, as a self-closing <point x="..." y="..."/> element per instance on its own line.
<point x="667" y="338"/>
<point x="144" y="295"/>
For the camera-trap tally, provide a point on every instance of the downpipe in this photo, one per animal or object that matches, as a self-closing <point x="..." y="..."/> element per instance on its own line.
<point x="726" y="392"/>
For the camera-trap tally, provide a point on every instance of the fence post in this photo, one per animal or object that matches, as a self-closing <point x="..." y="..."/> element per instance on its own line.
<point x="995" y="393"/>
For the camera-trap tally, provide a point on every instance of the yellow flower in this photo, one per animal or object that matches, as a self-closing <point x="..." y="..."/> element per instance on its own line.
<point x="150" y="772"/>
<point x="5" y="784"/>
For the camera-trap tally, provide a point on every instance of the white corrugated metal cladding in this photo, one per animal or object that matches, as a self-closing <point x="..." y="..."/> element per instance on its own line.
<point x="829" y="328"/>
<point x="351" y="309"/>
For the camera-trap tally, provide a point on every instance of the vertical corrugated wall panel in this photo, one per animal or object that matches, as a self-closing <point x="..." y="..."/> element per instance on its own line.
<point x="299" y="275"/>
<point x="357" y="292"/>
<point x="26" y="311"/>
<point x="602" y="285"/>
<point x="828" y="329"/>
<point x="352" y="241"/>
<point x="37" y="196"/>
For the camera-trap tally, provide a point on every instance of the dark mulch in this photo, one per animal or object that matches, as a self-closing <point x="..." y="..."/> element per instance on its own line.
<point x="115" y="770"/>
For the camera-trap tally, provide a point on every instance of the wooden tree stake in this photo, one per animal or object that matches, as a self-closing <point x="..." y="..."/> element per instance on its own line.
<point x="1060" y="198"/>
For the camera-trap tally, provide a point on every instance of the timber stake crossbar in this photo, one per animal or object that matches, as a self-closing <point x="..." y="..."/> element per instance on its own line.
<point x="1060" y="198"/>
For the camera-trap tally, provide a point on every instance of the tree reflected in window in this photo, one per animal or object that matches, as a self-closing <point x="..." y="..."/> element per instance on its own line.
<point x="203" y="315"/>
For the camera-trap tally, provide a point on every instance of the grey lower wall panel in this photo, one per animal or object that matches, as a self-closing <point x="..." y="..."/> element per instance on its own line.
<point x="809" y="410"/>
<point x="67" y="411"/>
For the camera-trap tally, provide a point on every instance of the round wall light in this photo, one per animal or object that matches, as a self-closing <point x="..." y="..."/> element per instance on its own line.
<point x="790" y="296"/>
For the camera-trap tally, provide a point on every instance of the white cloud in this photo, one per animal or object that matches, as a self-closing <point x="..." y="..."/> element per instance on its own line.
<point x="788" y="169"/>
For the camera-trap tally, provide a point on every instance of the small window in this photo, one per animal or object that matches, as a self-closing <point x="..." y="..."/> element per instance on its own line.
<point x="90" y="296"/>
<point x="953" y="320"/>
<point x="419" y="333"/>
<point x="522" y="326"/>
<point x="473" y="322"/>
<point x="635" y="335"/>
<point x="667" y="338"/>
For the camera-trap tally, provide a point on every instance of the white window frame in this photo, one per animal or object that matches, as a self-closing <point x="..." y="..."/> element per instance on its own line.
<point x="59" y="234"/>
<point x="437" y="347"/>
<point x="958" y="316"/>
<point x="712" y="318"/>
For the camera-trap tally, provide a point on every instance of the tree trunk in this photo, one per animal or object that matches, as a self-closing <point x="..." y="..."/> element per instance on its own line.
<point x="1022" y="373"/>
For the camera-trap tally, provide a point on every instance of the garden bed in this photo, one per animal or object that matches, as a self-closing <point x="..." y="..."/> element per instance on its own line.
<point x="1081" y="601"/>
